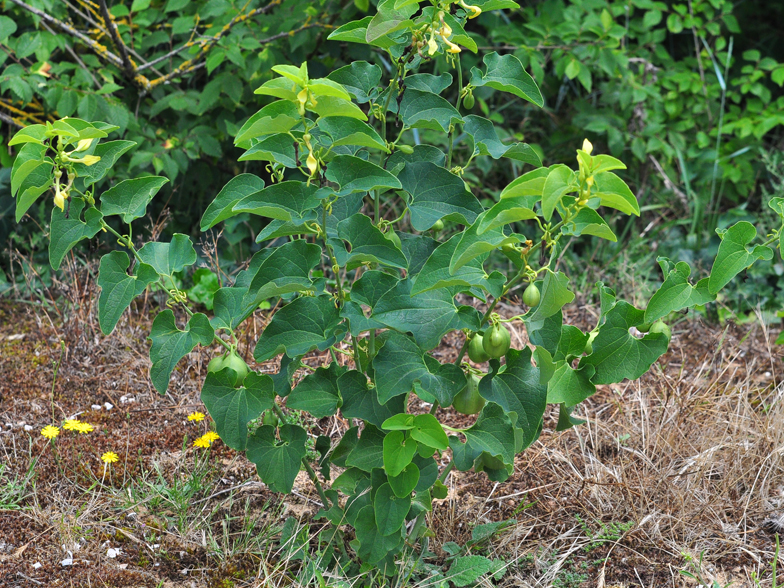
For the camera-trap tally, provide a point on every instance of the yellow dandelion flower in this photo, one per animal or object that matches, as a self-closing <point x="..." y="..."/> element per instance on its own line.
<point x="50" y="431"/>
<point x="85" y="428"/>
<point x="196" y="416"/>
<point x="211" y="436"/>
<point x="71" y="425"/>
<point x="110" y="457"/>
<point x="201" y="442"/>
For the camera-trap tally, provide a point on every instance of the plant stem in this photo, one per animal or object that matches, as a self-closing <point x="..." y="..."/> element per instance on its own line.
<point x="457" y="107"/>
<point x="421" y="518"/>
<point x="54" y="376"/>
<point x="332" y="255"/>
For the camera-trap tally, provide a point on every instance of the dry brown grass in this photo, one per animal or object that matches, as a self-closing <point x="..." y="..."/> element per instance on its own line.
<point x="687" y="460"/>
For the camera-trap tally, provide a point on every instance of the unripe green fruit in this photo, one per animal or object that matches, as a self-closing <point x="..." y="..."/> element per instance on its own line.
<point x="469" y="101"/>
<point x="496" y="341"/>
<point x="407" y="149"/>
<point x="661" y="327"/>
<point x="531" y="296"/>
<point x="589" y="343"/>
<point x="438" y="226"/>
<point x="392" y="236"/>
<point x="236" y="363"/>
<point x="270" y="418"/>
<point x="216" y="364"/>
<point x="230" y="360"/>
<point x="476" y="351"/>
<point x="468" y="400"/>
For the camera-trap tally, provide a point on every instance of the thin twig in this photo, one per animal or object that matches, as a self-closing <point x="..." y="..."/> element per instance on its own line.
<point x="97" y="47"/>
<point x="73" y="54"/>
<point x="669" y="183"/>
<point x="189" y="65"/>
<point x="100" y="28"/>
<point x="128" y="65"/>
<point x="7" y="119"/>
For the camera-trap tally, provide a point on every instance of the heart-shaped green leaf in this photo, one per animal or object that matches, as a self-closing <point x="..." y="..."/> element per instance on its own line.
<point x="170" y="344"/>
<point x="118" y="289"/>
<point x="233" y="408"/>
<point x="277" y="461"/>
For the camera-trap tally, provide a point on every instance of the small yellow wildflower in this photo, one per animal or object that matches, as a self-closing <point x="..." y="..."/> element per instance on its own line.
<point x="71" y="425"/>
<point x="110" y="457"/>
<point x="211" y="436"/>
<point x="85" y="428"/>
<point x="196" y="416"/>
<point x="201" y="442"/>
<point x="50" y="431"/>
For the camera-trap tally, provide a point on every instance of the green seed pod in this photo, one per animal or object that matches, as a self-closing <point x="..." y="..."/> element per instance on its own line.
<point x="496" y="341"/>
<point x="661" y="327"/>
<point x="407" y="149"/>
<point x="531" y="296"/>
<point x="270" y="418"/>
<point x="469" y="101"/>
<point x="476" y="352"/>
<point x="468" y="400"/>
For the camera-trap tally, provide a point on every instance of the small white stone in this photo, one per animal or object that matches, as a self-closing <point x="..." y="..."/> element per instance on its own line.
<point x="68" y="561"/>
<point x="108" y="405"/>
<point x="37" y="565"/>
<point x="112" y="552"/>
<point x="28" y="428"/>
<point x="96" y="407"/>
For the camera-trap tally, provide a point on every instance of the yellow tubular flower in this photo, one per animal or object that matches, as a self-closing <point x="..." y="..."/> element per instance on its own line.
<point x="474" y="10"/>
<point x="83" y="145"/>
<point x="587" y="147"/>
<point x="452" y="47"/>
<point x="89" y="160"/>
<point x="432" y="46"/>
<point x="59" y="201"/>
<point x="312" y="164"/>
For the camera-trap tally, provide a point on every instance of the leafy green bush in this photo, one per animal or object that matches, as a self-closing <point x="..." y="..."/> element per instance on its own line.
<point x="659" y="81"/>
<point x="382" y="287"/>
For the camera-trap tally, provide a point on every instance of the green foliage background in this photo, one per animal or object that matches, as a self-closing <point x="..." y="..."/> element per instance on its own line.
<point x="653" y="83"/>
